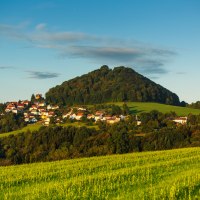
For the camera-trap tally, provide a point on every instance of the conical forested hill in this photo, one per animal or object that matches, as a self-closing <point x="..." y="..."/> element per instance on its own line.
<point x="110" y="85"/>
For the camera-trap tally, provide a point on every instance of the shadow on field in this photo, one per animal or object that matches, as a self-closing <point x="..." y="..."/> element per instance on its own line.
<point x="134" y="110"/>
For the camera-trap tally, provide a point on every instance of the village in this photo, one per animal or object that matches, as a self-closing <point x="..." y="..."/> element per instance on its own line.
<point x="39" y="111"/>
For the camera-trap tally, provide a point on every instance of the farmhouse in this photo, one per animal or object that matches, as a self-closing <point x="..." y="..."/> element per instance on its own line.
<point x="180" y="120"/>
<point x="79" y="116"/>
<point x="20" y="106"/>
<point x="90" y="116"/>
<point x="113" y="120"/>
<point x="42" y="104"/>
<point x="14" y="111"/>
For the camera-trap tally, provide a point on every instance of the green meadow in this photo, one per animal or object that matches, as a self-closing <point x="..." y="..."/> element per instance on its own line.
<point x="37" y="126"/>
<point x="30" y="127"/>
<point x="80" y="124"/>
<point x="139" y="107"/>
<point x="172" y="174"/>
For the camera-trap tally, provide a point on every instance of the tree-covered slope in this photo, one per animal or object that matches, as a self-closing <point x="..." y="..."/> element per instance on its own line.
<point x="107" y="85"/>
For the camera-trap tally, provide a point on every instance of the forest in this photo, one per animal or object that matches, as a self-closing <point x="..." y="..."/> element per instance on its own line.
<point x="157" y="132"/>
<point x="10" y="122"/>
<point x="107" y="85"/>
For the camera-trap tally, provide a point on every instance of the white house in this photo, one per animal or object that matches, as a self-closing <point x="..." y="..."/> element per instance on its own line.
<point x="98" y="117"/>
<point x="34" y="112"/>
<point x="180" y="120"/>
<point x="42" y="104"/>
<point x="82" y="109"/>
<point x="79" y="116"/>
<point x="47" y="121"/>
<point x="90" y="116"/>
<point x="138" y="122"/>
<point x="15" y="110"/>
<point x="113" y="120"/>
<point x="72" y="116"/>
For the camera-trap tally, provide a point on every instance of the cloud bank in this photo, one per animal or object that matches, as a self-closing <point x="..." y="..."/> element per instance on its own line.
<point x="145" y="58"/>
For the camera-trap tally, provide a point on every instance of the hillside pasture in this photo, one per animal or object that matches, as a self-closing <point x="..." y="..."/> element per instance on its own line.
<point x="139" y="107"/>
<point x="30" y="127"/>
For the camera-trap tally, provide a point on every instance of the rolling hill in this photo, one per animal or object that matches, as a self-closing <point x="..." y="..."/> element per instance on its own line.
<point x="107" y="85"/>
<point x="172" y="174"/>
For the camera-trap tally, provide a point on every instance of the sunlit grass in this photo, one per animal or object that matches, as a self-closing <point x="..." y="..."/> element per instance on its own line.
<point x="172" y="174"/>
<point x="139" y="107"/>
<point x="30" y="127"/>
<point x="80" y="124"/>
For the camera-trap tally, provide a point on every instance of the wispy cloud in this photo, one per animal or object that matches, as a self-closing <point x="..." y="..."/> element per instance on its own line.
<point x="180" y="73"/>
<point x="147" y="58"/>
<point x="40" y="27"/>
<point x="153" y="77"/>
<point x="42" y="75"/>
<point x="144" y="60"/>
<point x="6" y="67"/>
<point x="14" y="32"/>
<point x="152" y="66"/>
<point x="104" y="53"/>
<point x="62" y="37"/>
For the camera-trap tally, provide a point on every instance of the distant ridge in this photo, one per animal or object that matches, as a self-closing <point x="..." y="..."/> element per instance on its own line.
<point x="110" y="85"/>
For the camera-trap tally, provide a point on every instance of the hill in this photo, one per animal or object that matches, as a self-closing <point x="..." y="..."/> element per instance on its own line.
<point x="173" y="174"/>
<point x="107" y="85"/>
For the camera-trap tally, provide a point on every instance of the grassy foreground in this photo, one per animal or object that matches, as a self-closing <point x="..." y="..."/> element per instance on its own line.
<point x="173" y="174"/>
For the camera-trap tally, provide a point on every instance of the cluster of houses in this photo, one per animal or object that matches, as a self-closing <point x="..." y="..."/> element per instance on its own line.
<point x="97" y="116"/>
<point x="16" y="107"/>
<point x="40" y="111"/>
<point x="33" y="112"/>
<point x="102" y="116"/>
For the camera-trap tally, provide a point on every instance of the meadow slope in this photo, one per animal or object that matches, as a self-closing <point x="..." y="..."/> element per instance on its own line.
<point x="172" y="174"/>
<point x="139" y="107"/>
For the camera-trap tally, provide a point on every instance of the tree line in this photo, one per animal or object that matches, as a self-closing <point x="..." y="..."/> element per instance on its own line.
<point x="11" y="122"/>
<point x="57" y="142"/>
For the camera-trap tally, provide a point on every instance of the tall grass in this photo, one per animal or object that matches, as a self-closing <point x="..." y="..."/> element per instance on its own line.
<point x="173" y="174"/>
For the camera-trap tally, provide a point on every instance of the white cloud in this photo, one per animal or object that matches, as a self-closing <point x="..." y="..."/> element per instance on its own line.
<point x="40" y="27"/>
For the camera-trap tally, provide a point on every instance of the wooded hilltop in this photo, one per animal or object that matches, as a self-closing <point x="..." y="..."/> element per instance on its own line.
<point x="110" y="85"/>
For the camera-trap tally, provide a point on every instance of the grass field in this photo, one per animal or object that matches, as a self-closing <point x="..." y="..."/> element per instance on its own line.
<point x="138" y="107"/>
<point x="173" y="174"/>
<point x="31" y="127"/>
<point x="79" y="124"/>
<point x="35" y="127"/>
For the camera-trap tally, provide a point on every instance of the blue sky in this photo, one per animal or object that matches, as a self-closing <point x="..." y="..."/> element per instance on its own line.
<point x="45" y="42"/>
